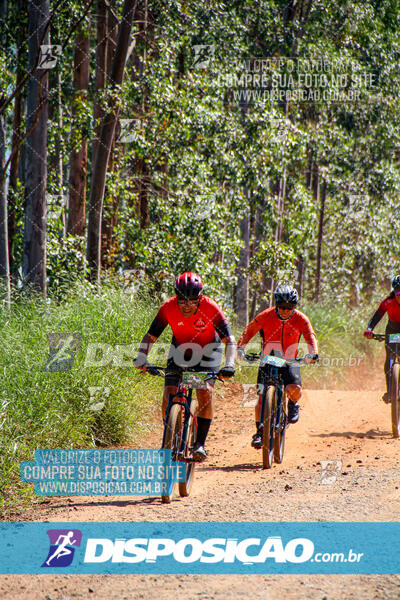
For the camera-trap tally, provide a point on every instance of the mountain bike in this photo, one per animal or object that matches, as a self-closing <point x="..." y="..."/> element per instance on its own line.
<point x="273" y="416"/>
<point x="180" y="424"/>
<point x="393" y="340"/>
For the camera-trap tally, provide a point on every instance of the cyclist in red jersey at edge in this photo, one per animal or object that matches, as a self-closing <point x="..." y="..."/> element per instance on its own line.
<point x="391" y="306"/>
<point x="281" y="328"/>
<point x="198" y="326"/>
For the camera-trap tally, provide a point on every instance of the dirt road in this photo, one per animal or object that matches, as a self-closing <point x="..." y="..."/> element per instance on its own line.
<point x="351" y="427"/>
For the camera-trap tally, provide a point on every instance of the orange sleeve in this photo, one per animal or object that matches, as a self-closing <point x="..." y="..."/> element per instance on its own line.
<point x="309" y="336"/>
<point x="249" y="332"/>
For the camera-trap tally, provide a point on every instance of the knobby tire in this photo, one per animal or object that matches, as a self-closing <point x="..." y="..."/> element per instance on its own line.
<point x="172" y="442"/>
<point x="186" y="486"/>
<point x="395" y="400"/>
<point x="269" y="427"/>
<point x="279" y="446"/>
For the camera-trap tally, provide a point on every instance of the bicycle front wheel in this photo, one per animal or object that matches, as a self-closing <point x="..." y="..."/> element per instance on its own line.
<point x="186" y="486"/>
<point x="279" y="445"/>
<point x="172" y="441"/>
<point x="395" y="385"/>
<point x="269" y="427"/>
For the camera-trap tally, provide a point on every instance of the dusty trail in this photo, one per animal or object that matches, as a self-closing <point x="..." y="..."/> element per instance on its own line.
<point x="351" y="427"/>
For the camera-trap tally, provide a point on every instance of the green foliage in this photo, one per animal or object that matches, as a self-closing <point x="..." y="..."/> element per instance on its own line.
<point x="42" y="409"/>
<point x="196" y="148"/>
<point x="201" y="158"/>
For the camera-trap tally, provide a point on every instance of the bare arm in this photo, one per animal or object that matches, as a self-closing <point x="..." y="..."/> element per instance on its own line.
<point x="230" y="350"/>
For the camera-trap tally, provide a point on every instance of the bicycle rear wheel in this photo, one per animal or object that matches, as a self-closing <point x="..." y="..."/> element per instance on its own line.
<point x="279" y="445"/>
<point x="395" y="389"/>
<point x="172" y="441"/>
<point x="269" y="427"/>
<point x="186" y="486"/>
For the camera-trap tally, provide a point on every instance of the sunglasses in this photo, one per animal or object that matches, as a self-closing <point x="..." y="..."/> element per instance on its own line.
<point x="285" y="307"/>
<point x="188" y="302"/>
<point x="397" y="293"/>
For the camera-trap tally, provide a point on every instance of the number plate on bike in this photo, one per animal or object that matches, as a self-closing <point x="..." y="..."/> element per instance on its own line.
<point x="274" y="361"/>
<point x="394" y="338"/>
<point x="195" y="381"/>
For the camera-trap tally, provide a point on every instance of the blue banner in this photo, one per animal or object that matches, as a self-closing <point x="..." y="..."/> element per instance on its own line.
<point x="199" y="548"/>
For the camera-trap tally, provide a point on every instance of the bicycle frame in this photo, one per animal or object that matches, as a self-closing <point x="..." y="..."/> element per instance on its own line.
<point x="395" y="349"/>
<point x="393" y="346"/>
<point x="185" y="394"/>
<point x="182" y="397"/>
<point x="392" y="343"/>
<point x="273" y="416"/>
<point x="186" y="433"/>
<point x="272" y="376"/>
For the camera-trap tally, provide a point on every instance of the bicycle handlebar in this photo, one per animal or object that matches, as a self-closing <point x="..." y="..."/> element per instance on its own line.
<point x="380" y="337"/>
<point x="253" y="356"/>
<point x="155" y="370"/>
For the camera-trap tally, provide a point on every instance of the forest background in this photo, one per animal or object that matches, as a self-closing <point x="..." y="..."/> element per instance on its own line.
<point x="252" y="142"/>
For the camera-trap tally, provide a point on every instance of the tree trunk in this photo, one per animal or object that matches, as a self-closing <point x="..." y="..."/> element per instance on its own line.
<point x="242" y="290"/>
<point x="253" y="306"/>
<point x="109" y="217"/>
<point x="5" y="290"/>
<point x="59" y="170"/>
<point x="105" y="142"/>
<point x="15" y="149"/>
<point x="14" y="165"/>
<point x="266" y="281"/>
<point x="141" y="171"/>
<point x="301" y="269"/>
<point x="144" y="186"/>
<point x="78" y="158"/>
<point x="34" y="259"/>
<point x="3" y="23"/>
<point x="101" y="68"/>
<point x="320" y="239"/>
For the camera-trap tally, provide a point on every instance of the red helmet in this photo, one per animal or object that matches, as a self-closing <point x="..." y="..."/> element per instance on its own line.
<point x="188" y="285"/>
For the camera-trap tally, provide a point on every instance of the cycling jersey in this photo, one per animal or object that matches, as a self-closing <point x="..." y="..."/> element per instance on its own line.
<point x="279" y="336"/>
<point x="207" y="325"/>
<point x="390" y="306"/>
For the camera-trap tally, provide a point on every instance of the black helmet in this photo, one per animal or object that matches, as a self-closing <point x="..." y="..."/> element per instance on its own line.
<point x="188" y="285"/>
<point x="286" y="294"/>
<point x="396" y="283"/>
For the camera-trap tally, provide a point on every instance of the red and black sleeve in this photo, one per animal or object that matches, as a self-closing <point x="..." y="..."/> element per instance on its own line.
<point x="377" y="316"/>
<point x="222" y="328"/>
<point x="159" y="323"/>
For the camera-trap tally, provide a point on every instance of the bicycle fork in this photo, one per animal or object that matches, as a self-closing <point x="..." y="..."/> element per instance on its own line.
<point x="184" y="403"/>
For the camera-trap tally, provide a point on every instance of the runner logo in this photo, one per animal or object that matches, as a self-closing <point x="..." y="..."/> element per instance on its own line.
<point x="62" y="542"/>
<point x="203" y="53"/>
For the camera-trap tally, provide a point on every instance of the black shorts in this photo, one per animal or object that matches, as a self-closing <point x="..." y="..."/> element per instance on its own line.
<point x="208" y="363"/>
<point x="290" y="375"/>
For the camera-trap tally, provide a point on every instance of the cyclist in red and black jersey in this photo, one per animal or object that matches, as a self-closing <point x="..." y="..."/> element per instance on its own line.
<point x="391" y="306"/>
<point x="198" y="326"/>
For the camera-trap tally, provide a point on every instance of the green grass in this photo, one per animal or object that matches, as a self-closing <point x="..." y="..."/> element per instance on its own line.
<point x="40" y="409"/>
<point x="345" y="354"/>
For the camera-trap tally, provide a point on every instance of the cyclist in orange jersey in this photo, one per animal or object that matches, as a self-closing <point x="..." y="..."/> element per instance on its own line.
<point x="281" y="328"/>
